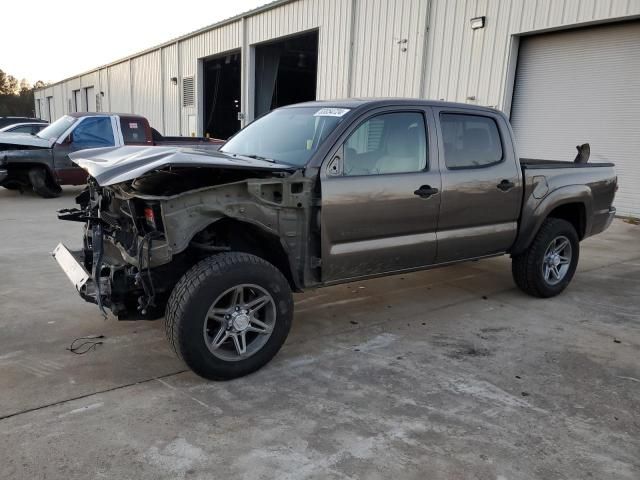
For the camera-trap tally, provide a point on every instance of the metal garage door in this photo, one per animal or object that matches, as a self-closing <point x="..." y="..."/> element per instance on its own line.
<point x="583" y="86"/>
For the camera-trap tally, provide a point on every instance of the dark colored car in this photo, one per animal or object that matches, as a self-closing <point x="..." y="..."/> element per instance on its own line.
<point x="42" y="162"/>
<point x="317" y="194"/>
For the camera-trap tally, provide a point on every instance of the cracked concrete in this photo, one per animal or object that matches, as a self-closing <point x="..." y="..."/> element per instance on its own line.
<point x="451" y="373"/>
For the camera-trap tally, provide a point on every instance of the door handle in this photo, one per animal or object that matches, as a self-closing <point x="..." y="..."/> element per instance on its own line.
<point x="505" y="185"/>
<point x="425" y="191"/>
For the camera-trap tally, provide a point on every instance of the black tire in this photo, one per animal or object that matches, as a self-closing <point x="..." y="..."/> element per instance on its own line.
<point x="42" y="183"/>
<point x="527" y="268"/>
<point x="12" y="186"/>
<point x="195" y="293"/>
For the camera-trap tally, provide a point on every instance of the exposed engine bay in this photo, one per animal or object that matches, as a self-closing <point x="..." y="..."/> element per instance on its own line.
<point x="142" y="235"/>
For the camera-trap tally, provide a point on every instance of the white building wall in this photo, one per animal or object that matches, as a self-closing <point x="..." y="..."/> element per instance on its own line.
<point x="120" y="87"/>
<point x="223" y="39"/>
<point x="464" y="63"/>
<point x="171" y="91"/>
<point x="332" y="18"/>
<point x="388" y="49"/>
<point x="147" y="87"/>
<point x="104" y="90"/>
<point x="360" y="52"/>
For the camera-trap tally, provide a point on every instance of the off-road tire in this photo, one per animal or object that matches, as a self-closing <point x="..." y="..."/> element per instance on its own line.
<point x="192" y="297"/>
<point x="42" y="183"/>
<point x="526" y="267"/>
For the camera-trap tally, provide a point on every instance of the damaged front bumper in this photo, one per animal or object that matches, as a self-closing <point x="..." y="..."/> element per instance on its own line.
<point x="71" y="263"/>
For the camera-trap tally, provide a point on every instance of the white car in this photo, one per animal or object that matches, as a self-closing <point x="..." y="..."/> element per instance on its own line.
<point x="24" y="127"/>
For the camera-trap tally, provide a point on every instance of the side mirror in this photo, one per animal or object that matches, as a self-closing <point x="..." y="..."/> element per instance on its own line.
<point x="334" y="167"/>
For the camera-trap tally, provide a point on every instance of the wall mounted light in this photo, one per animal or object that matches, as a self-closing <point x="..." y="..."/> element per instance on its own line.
<point x="478" y="22"/>
<point x="174" y="80"/>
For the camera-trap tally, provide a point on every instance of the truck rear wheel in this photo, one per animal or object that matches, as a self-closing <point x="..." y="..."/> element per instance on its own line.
<point x="43" y="184"/>
<point x="229" y="315"/>
<point x="548" y="265"/>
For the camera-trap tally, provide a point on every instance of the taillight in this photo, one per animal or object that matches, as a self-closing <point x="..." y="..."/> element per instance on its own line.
<point x="150" y="217"/>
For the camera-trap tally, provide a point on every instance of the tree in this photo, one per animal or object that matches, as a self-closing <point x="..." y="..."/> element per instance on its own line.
<point x="25" y="87"/>
<point x="12" y="85"/>
<point x="3" y="81"/>
<point x="16" y="97"/>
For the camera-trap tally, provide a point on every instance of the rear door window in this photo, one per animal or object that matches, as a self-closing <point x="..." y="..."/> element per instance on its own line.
<point x="93" y="132"/>
<point x="470" y="141"/>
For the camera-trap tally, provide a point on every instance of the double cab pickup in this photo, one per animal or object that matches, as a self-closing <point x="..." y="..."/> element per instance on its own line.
<point x="312" y="195"/>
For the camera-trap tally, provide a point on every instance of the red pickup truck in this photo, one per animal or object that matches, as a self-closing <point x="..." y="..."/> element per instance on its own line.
<point x="42" y="162"/>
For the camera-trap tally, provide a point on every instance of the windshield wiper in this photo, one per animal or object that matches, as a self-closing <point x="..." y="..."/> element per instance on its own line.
<point x="258" y="157"/>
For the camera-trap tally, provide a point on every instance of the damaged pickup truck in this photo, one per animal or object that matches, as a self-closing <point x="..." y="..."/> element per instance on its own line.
<point x="41" y="161"/>
<point x="312" y="195"/>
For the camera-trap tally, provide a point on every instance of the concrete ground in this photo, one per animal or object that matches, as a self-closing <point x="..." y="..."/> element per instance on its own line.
<point x="446" y="374"/>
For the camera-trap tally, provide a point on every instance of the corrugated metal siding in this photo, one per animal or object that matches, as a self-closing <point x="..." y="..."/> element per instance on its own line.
<point x="473" y="63"/>
<point x="59" y="101"/>
<point x="206" y="44"/>
<point x="459" y="61"/>
<point x="223" y="39"/>
<point x="331" y="17"/>
<point x="104" y="88"/>
<point x="120" y="88"/>
<point x="333" y="49"/>
<point x="147" y="88"/>
<point x="388" y="48"/>
<point x="583" y="86"/>
<point x="171" y="95"/>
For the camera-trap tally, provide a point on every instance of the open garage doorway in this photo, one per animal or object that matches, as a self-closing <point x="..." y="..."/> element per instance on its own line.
<point x="221" y="99"/>
<point x="286" y="72"/>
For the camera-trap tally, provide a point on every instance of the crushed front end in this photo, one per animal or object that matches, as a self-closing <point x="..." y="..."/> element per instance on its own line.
<point x="124" y="248"/>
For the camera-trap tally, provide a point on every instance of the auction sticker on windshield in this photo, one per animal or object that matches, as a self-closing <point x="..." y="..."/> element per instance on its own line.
<point x="331" y="112"/>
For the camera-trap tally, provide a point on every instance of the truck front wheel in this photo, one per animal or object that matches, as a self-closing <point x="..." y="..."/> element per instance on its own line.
<point x="42" y="183"/>
<point x="548" y="265"/>
<point x="229" y="315"/>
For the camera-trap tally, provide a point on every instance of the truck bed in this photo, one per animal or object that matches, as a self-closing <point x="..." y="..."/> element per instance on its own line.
<point x="535" y="163"/>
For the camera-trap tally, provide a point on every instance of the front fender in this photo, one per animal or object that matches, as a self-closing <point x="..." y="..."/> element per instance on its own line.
<point x="29" y="157"/>
<point x="534" y="212"/>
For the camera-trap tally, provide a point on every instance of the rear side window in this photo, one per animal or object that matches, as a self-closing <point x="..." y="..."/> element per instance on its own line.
<point x="387" y="143"/>
<point x="93" y="132"/>
<point x="133" y="131"/>
<point x="470" y="141"/>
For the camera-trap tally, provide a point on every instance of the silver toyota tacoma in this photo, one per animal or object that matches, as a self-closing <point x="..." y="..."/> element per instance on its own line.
<point x="317" y="194"/>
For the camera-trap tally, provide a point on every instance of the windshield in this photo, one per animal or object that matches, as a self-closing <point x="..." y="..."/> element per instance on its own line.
<point x="289" y="135"/>
<point x="57" y="128"/>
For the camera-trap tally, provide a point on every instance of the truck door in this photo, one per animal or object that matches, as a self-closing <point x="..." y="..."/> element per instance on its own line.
<point x="89" y="132"/>
<point x="380" y="196"/>
<point x="481" y="184"/>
